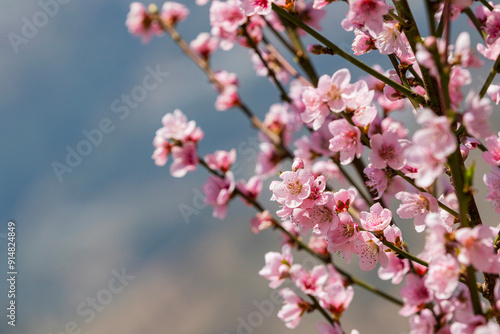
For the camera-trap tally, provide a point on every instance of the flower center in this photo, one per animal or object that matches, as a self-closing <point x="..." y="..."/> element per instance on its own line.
<point x="294" y="188"/>
<point x="334" y="93"/>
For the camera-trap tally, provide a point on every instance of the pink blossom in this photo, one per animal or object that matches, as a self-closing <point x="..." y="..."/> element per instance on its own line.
<point x="363" y="42"/>
<point x="226" y="15"/>
<point x="377" y="219"/>
<point x="454" y="10"/>
<point x="294" y="188"/>
<point x="334" y="277"/>
<point x="267" y="159"/>
<point x="254" y="29"/>
<point x="425" y="58"/>
<point x="297" y="164"/>
<point x="492" y="26"/>
<point x="388" y="105"/>
<point x="442" y="276"/>
<point x="318" y="244"/>
<point x="227" y="99"/>
<point x="463" y="53"/>
<point x="478" y="249"/>
<point x="357" y="95"/>
<point x="218" y="193"/>
<point x="468" y="144"/>
<point x="407" y="57"/>
<point x="370" y="251"/>
<point x="450" y="200"/>
<point x="367" y="13"/>
<point x="396" y="269"/>
<point x="251" y="189"/>
<point x="261" y="222"/>
<point x="319" y="4"/>
<point x="490" y="51"/>
<point x="492" y="156"/>
<point x="277" y="266"/>
<point x="494" y="93"/>
<point x="343" y="200"/>
<point x="345" y="250"/>
<point x="423" y="323"/>
<point x="259" y="7"/>
<point x="390" y="93"/>
<point x="221" y="160"/>
<point x="416" y="206"/>
<point x="336" y="298"/>
<point x="345" y="231"/>
<point x="304" y="149"/>
<point x="281" y="120"/>
<point x="387" y="150"/>
<point x="437" y="236"/>
<point x="459" y="77"/>
<point x="321" y="217"/>
<point x="492" y="180"/>
<point x="162" y="150"/>
<point x="393" y="234"/>
<point x="204" y="45"/>
<point x="173" y="12"/>
<point x="315" y="117"/>
<point x="315" y="109"/>
<point x="364" y="116"/>
<point x="317" y="195"/>
<point x="309" y="283"/>
<point x="227" y="38"/>
<point x="390" y="39"/>
<point x="482" y="13"/>
<point x="226" y="79"/>
<point x="415" y="294"/>
<point x="476" y="118"/>
<point x="432" y="145"/>
<point x="293" y="308"/>
<point x="285" y="213"/>
<point x="489" y="328"/>
<point x="139" y="22"/>
<point x="426" y="168"/>
<point x="332" y="89"/>
<point x="176" y="126"/>
<point x="307" y="14"/>
<point x="346" y="140"/>
<point x="377" y="179"/>
<point x="185" y="159"/>
<point x="389" y="124"/>
<point x="311" y="98"/>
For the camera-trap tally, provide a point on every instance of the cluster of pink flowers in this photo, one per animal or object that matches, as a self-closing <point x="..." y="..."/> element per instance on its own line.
<point x="179" y="137"/>
<point x="327" y="123"/>
<point x="321" y="282"/>
<point x="449" y="253"/>
<point x="140" y="20"/>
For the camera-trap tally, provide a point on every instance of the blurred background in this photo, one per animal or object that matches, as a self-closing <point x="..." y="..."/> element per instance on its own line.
<point x="114" y="213"/>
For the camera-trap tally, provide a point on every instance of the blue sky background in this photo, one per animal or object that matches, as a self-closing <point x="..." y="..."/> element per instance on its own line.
<point x="116" y="209"/>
